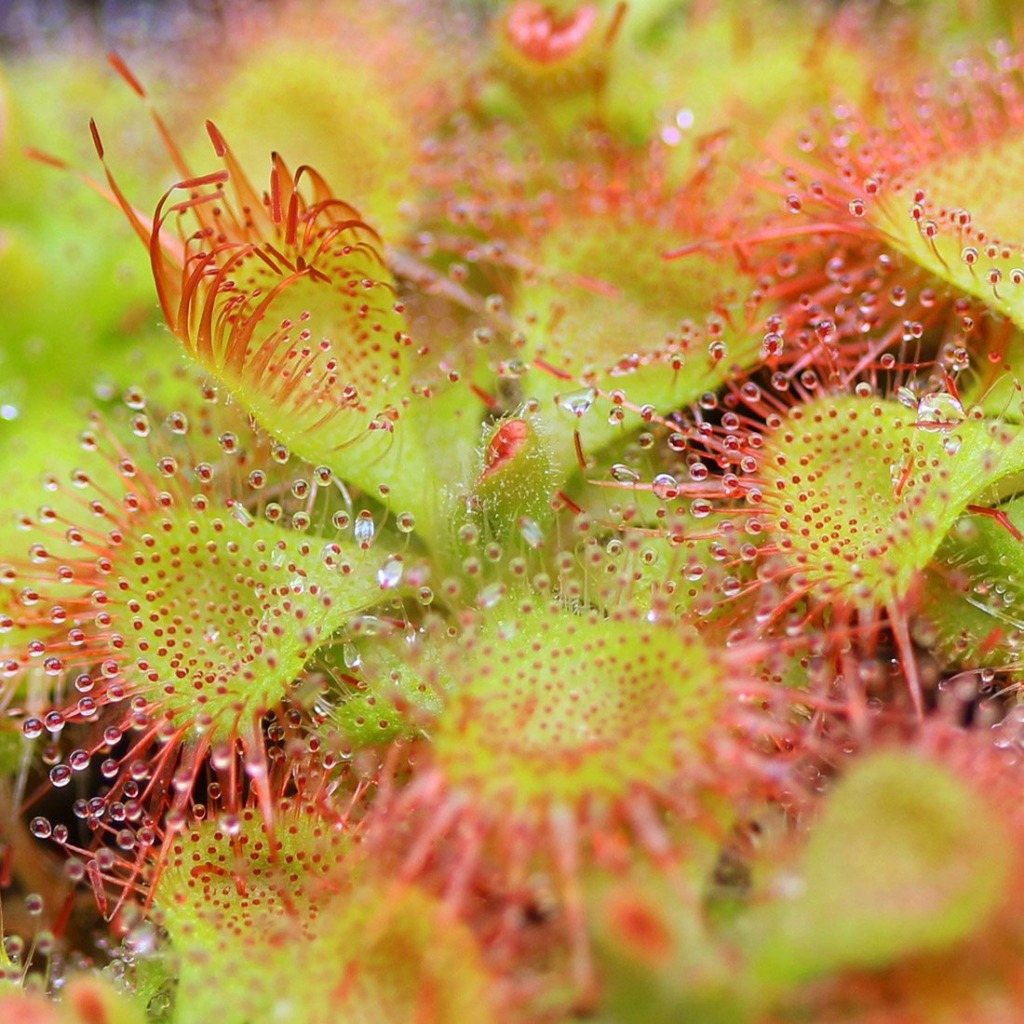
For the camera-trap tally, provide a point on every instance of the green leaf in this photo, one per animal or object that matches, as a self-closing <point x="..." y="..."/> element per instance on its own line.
<point x="904" y="859"/>
<point x="971" y="607"/>
<point x="284" y="929"/>
<point x="859" y="493"/>
<point x="549" y="705"/>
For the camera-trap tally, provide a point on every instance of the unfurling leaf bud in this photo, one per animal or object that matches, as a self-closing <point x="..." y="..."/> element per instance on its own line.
<point x="518" y="475"/>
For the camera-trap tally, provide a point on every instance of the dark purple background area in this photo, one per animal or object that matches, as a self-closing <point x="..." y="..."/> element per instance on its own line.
<point x="29" y="24"/>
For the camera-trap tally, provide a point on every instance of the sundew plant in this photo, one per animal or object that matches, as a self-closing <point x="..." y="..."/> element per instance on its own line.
<point x="512" y="512"/>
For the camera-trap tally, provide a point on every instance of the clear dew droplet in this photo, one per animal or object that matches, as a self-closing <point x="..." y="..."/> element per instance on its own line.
<point x="351" y="656"/>
<point x="364" y="529"/>
<point x="134" y="398"/>
<point x="241" y="514"/>
<point x="389" y="575"/>
<point x="491" y="595"/>
<point x="40" y="828"/>
<point x="906" y="396"/>
<point x="578" y="402"/>
<point x="940" y="411"/>
<point x="369" y="625"/>
<point x="512" y="368"/>
<point x="624" y="474"/>
<point x="220" y="757"/>
<point x="177" y="422"/>
<point x="231" y="824"/>
<point x="665" y="487"/>
<point x="530" y="531"/>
